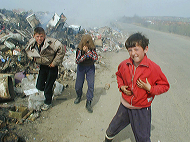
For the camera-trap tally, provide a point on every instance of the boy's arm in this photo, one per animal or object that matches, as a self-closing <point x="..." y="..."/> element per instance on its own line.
<point x="80" y="57"/>
<point x="92" y="54"/>
<point x="161" y="85"/>
<point x="119" y="78"/>
<point x="60" y="53"/>
<point x="121" y="85"/>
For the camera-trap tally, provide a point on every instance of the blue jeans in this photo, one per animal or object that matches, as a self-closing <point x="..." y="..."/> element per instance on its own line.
<point x="89" y="71"/>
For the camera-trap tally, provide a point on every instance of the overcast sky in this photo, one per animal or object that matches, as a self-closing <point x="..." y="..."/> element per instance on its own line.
<point x="98" y="11"/>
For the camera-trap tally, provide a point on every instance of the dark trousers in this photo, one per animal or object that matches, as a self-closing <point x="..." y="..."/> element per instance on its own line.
<point x="140" y="120"/>
<point x="45" y="81"/>
<point x="89" y="71"/>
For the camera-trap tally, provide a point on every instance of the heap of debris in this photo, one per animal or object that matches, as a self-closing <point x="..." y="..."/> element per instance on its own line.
<point x="18" y="72"/>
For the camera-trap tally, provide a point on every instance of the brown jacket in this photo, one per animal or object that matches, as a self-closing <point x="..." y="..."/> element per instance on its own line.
<point x="51" y="52"/>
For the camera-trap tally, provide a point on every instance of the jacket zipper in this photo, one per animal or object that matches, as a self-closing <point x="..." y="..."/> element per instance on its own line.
<point x="133" y="74"/>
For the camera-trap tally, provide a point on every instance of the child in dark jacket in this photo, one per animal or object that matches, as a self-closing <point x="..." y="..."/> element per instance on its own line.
<point x="85" y="57"/>
<point x="139" y="80"/>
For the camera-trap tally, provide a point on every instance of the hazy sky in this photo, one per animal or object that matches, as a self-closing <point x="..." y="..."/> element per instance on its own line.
<point x="98" y="11"/>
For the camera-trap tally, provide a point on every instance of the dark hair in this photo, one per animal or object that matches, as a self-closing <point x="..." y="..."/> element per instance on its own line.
<point x="39" y="30"/>
<point x="137" y="39"/>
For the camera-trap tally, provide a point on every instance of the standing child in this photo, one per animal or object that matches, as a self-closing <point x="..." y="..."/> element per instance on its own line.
<point x="139" y="80"/>
<point x="48" y="53"/>
<point x="85" y="57"/>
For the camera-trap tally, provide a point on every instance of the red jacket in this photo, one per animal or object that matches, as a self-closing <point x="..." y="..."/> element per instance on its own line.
<point x="126" y="75"/>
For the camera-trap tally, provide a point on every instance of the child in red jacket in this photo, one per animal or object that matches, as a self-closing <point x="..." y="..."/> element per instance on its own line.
<point x="139" y="80"/>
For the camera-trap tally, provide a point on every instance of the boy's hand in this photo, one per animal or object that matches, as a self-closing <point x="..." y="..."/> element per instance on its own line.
<point x="124" y="90"/>
<point x="51" y="65"/>
<point x="144" y="85"/>
<point x="85" y="48"/>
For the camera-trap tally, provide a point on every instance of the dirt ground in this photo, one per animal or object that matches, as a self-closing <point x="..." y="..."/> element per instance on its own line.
<point x="68" y="122"/>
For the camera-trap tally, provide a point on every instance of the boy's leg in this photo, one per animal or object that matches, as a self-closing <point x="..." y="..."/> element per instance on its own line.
<point x="42" y="77"/>
<point x="119" y="122"/>
<point x="90" y="73"/>
<point x="79" y="82"/>
<point x="141" y="123"/>
<point x="48" y="91"/>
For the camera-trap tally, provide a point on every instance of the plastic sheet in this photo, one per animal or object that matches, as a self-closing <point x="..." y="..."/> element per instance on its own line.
<point x="28" y="82"/>
<point x="58" y="88"/>
<point x="69" y="62"/>
<point x="35" y="101"/>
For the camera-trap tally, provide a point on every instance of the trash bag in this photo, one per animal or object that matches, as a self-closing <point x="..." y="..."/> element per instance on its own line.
<point x="58" y="88"/>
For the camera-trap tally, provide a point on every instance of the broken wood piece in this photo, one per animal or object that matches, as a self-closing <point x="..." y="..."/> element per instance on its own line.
<point x="28" y="114"/>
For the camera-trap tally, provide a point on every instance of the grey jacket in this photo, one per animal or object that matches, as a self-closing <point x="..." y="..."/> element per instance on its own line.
<point x="51" y="52"/>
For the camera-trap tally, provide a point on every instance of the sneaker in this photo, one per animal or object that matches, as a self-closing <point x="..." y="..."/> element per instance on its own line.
<point x="46" y="107"/>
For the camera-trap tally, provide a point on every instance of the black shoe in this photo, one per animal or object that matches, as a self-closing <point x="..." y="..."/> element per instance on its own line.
<point x="77" y="100"/>
<point x="88" y="106"/>
<point x="107" y="140"/>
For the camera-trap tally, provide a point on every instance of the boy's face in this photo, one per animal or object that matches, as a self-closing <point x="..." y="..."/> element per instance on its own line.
<point x="137" y="54"/>
<point x="39" y="38"/>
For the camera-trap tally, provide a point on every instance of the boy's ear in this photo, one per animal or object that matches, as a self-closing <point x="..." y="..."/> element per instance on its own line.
<point x="146" y="49"/>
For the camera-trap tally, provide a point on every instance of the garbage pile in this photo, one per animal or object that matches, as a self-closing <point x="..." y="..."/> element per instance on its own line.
<point x="16" y="28"/>
<point x="18" y="73"/>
